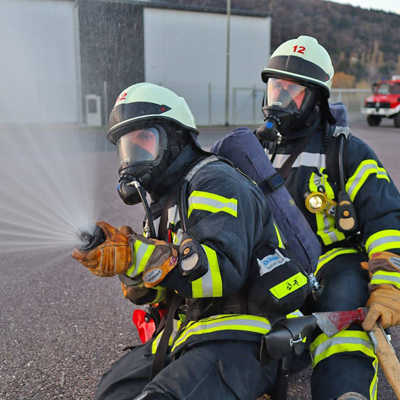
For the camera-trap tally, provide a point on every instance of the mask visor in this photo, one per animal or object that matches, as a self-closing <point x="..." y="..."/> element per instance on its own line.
<point x="289" y="96"/>
<point x="139" y="146"/>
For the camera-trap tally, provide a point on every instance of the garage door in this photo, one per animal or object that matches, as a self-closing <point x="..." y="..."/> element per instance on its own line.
<point x="186" y="51"/>
<point x="39" y="77"/>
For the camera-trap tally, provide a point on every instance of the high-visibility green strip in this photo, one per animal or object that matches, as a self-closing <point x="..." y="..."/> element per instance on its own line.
<point x="325" y="223"/>
<point x="278" y="235"/>
<point x="155" y="343"/>
<point x="141" y="254"/>
<point x="215" y="272"/>
<point x="295" y="314"/>
<point x="228" y="322"/>
<point x="373" y="387"/>
<point x="326" y="229"/>
<point x="330" y="255"/>
<point x="210" y="284"/>
<point x="343" y="342"/>
<point x="363" y="171"/>
<point x="197" y="288"/>
<point x="156" y="340"/>
<point x="211" y="202"/>
<point x="382" y="174"/>
<point x="383" y="240"/>
<point x="289" y="285"/>
<point x="386" y="278"/>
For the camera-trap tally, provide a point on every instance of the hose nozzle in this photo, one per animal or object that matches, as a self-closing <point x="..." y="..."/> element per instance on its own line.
<point x="90" y="241"/>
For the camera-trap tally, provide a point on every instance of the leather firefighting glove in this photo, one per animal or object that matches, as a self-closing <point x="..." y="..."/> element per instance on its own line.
<point x="111" y="257"/>
<point x="384" y="299"/>
<point x="152" y="258"/>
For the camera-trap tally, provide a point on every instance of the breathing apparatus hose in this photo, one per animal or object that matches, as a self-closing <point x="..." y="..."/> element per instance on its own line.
<point x="341" y="139"/>
<point x="149" y="227"/>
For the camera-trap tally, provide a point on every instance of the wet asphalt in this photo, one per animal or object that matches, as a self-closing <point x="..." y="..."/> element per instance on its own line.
<point x="61" y="327"/>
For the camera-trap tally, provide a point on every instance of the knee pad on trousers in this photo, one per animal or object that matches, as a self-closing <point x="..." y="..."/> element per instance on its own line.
<point x="149" y="396"/>
<point x="351" y="396"/>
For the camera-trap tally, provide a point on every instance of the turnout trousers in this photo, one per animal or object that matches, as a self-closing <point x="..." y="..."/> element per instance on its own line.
<point x="210" y="370"/>
<point x="345" y="362"/>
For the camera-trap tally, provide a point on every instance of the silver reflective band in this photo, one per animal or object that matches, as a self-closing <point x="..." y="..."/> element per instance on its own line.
<point x="385" y="277"/>
<point x="340" y="340"/>
<point x="352" y="396"/>
<point x="242" y="323"/>
<point x="372" y="166"/>
<point x="384" y="240"/>
<point x="213" y="203"/>
<point x="304" y="159"/>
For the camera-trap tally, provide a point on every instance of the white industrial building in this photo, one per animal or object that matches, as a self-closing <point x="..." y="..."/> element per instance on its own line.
<point x="46" y="74"/>
<point x="39" y="68"/>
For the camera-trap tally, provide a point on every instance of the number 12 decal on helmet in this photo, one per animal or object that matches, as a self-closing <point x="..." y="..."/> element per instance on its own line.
<point x="299" y="49"/>
<point x="298" y="77"/>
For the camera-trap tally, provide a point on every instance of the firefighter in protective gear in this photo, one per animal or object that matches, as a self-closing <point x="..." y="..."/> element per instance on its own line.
<point x="298" y="81"/>
<point x="212" y="221"/>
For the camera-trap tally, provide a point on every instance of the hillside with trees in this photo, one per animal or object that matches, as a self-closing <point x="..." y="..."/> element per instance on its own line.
<point x="364" y="44"/>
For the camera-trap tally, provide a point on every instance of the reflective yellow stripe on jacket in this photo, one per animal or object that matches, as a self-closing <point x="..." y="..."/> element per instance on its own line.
<point x="383" y="240"/>
<point x="325" y="223"/>
<point x="363" y="171"/>
<point x="281" y="244"/>
<point x="330" y="255"/>
<point x="212" y="203"/>
<point x="210" y="284"/>
<point x="141" y="254"/>
<point x="157" y="339"/>
<point x="345" y="342"/>
<point x="219" y="323"/>
<point x="385" y="277"/>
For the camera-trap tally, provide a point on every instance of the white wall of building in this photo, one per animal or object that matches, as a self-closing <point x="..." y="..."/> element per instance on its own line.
<point x="186" y="51"/>
<point x="39" y="76"/>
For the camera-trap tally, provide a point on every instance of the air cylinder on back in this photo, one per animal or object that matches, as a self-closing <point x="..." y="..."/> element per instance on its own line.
<point x="243" y="149"/>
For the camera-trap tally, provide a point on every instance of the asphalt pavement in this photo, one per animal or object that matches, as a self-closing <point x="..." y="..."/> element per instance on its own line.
<point x="61" y="327"/>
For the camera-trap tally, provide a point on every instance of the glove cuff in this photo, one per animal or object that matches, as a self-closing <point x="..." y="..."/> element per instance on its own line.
<point x="384" y="261"/>
<point x="385" y="278"/>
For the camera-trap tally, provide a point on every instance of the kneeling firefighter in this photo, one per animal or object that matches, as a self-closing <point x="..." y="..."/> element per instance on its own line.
<point x="216" y="240"/>
<point x="350" y="202"/>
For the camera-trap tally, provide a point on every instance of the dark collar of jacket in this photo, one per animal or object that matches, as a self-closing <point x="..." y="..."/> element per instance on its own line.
<point x="315" y="134"/>
<point x="168" y="183"/>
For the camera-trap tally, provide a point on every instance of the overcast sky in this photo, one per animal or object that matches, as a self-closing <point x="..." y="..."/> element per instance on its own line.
<point x="387" y="5"/>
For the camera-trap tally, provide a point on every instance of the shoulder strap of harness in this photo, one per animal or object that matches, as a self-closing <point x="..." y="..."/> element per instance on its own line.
<point x="188" y="177"/>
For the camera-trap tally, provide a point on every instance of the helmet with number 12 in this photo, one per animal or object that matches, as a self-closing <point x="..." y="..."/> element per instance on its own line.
<point x="298" y="77"/>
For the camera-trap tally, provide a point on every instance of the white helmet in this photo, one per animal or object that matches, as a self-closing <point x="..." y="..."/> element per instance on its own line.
<point x="147" y="101"/>
<point x="303" y="60"/>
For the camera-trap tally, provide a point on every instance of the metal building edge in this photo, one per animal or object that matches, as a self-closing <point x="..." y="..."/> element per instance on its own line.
<point x="187" y="7"/>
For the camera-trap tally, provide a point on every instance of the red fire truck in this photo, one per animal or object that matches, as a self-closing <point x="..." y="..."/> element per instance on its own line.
<point x="384" y="102"/>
